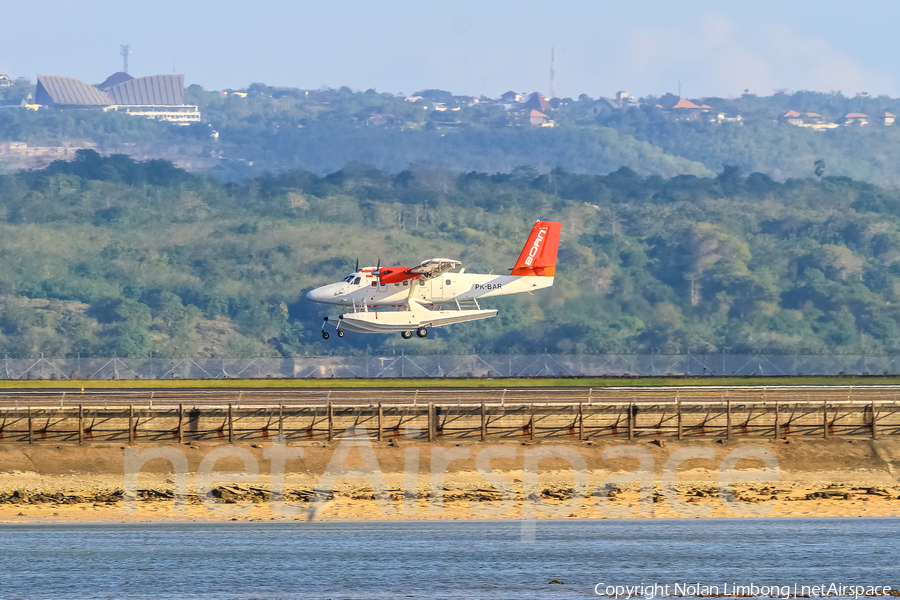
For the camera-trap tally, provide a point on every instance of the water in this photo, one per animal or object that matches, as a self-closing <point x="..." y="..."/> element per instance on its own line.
<point x="435" y="559"/>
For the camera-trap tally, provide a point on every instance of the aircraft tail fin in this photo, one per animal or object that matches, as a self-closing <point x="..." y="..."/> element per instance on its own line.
<point x="538" y="257"/>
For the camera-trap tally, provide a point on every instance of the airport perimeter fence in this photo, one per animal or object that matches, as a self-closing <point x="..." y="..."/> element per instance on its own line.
<point x="818" y="414"/>
<point x="451" y="365"/>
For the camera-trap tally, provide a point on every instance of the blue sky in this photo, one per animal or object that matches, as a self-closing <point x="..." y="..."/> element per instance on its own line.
<point x="467" y="47"/>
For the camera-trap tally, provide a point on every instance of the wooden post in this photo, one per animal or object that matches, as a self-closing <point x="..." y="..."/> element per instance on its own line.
<point x="728" y="419"/>
<point x="80" y="424"/>
<point x="776" y="419"/>
<point x="825" y="419"/>
<point x="380" y="416"/>
<point x="678" y="408"/>
<point x="30" y="428"/>
<point x="281" y="422"/>
<point x="131" y="423"/>
<point x="631" y="420"/>
<point x="874" y="423"/>
<point x="483" y="422"/>
<point x="531" y="424"/>
<point x="230" y="425"/>
<point x="180" y="423"/>
<point x="330" y="421"/>
<point x="431" y="425"/>
<point x="580" y="421"/>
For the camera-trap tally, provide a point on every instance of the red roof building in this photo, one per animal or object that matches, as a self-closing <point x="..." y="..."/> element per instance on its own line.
<point x="685" y="103"/>
<point x="538" y="118"/>
<point x="536" y="102"/>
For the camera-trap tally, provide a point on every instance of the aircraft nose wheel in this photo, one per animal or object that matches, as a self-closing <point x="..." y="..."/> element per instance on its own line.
<point x="325" y="335"/>
<point x="406" y="334"/>
<point x="340" y="333"/>
<point x="422" y="332"/>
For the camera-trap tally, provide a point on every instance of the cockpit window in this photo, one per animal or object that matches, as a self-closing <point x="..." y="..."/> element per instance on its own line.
<point x="356" y="281"/>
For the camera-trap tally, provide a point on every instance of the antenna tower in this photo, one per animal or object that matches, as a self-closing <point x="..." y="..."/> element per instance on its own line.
<point x="125" y="50"/>
<point x="552" y="71"/>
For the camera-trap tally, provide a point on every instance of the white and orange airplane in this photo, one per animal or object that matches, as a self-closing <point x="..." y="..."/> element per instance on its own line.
<point x="414" y="299"/>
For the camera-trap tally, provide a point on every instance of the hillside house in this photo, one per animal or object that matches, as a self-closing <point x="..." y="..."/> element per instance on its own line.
<point x="856" y="119"/>
<point x="537" y="102"/>
<point x="539" y="119"/>
<point x="606" y="106"/>
<point x="5" y="81"/>
<point x="808" y="119"/>
<point x="685" y="110"/>
<point x="723" y="117"/>
<point x="603" y="107"/>
<point x="626" y="100"/>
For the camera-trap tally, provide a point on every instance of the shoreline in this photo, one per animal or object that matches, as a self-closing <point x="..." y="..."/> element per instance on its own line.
<point x="815" y="478"/>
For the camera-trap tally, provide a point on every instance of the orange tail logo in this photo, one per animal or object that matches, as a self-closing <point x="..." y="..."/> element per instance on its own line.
<point x="538" y="257"/>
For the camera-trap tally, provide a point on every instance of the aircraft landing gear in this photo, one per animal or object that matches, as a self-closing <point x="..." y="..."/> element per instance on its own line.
<point x="326" y="335"/>
<point x="406" y="334"/>
<point x="422" y="332"/>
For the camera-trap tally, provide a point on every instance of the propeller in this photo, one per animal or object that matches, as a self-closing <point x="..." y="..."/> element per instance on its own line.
<point x="377" y="271"/>
<point x="357" y="265"/>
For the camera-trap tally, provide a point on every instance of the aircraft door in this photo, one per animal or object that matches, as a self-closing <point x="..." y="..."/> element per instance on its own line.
<point x="443" y="288"/>
<point x="449" y="287"/>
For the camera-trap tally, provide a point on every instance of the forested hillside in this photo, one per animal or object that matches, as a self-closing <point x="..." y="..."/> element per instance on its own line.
<point x="106" y="256"/>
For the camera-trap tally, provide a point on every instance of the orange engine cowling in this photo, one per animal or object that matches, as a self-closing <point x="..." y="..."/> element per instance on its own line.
<point x="396" y="274"/>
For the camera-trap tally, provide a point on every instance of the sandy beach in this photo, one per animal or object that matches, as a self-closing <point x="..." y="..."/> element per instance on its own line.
<point x="815" y="478"/>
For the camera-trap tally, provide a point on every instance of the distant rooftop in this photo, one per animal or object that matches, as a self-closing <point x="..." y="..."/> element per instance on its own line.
<point x="68" y="91"/>
<point x="165" y="90"/>
<point x="685" y="103"/>
<point x="118" y="89"/>
<point x="536" y="102"/>
<point x="114" y="79"/>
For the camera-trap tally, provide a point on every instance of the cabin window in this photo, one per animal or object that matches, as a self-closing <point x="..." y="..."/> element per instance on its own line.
<point x="448" y="282"/>
<point x="374" y="284"/>
<point x="396" y="285"/>
<point x="422" y="282"/>
<point x="405" y="283"/>
<point x="356" y="281"/>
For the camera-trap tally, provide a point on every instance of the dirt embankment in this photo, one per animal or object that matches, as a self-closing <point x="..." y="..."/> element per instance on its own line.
<point x="834" y="477"/>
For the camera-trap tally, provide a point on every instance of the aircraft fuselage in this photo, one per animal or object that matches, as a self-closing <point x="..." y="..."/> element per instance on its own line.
<point x="363" y="289"/>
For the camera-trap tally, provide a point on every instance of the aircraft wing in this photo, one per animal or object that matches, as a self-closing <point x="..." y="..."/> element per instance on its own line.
<point x="434" y="267"/>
